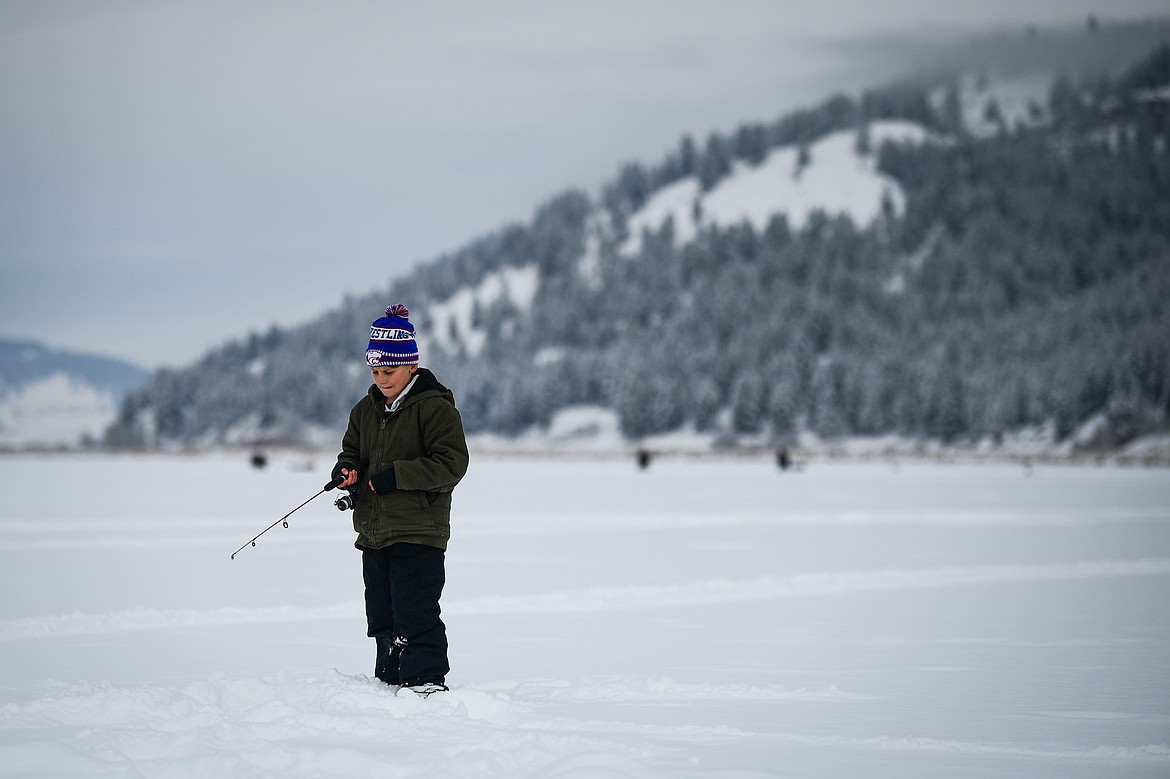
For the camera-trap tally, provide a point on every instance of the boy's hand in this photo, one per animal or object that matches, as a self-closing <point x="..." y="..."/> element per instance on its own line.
<point x="346" y="473"/>
<point x="383" y="482"/>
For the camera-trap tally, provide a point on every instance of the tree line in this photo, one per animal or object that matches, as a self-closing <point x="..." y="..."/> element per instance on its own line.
<point x="1024" y="285"/>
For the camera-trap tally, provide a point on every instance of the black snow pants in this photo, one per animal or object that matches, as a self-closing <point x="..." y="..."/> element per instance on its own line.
<point x="403" y="586"/>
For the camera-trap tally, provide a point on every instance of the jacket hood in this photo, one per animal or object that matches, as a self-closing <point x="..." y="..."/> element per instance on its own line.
<point x="425" y="384"/>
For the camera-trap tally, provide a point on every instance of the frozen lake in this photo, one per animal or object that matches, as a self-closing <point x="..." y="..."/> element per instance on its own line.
<point x="696" y="619"/>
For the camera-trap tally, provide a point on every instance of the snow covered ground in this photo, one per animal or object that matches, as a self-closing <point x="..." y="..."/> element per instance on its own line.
<point x="837" y="179"/>
<point x="696" y="619"/>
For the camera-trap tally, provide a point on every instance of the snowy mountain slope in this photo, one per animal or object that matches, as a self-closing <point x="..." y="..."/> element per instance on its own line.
<point x="50" y="397"/>
<point x="963" y="317"/>
<point x="836" y="177"/>
<point x="54" y="411"/>
<point x="57" y="398"/>
<point x="453" y="322"/>
<point x="992" y="105"/>
<point x="22" y="362"/>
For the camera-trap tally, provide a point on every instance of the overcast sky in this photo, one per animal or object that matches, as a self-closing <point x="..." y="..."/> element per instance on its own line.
<point x="175" y="174"/>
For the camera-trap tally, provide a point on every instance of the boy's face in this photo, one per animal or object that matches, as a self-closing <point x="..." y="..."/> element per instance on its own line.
<point x="392" y="379"/>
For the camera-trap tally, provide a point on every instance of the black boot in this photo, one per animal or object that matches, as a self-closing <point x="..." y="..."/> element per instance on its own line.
<point x="386" y="661"/>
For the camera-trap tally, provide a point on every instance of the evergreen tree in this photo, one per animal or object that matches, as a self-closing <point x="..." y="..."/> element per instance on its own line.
<point x="715" y="162"/>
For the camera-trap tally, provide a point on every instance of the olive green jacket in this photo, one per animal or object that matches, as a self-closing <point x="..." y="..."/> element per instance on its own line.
<point x="423" y="441"/>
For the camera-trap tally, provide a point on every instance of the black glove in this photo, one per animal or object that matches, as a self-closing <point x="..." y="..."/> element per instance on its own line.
<point x="383" y="482"/>
<point x="335" y="477"/>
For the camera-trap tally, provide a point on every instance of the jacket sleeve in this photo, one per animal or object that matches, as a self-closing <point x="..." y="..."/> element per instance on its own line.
<point x="445" y="458"/>
<point x="351" y="442"/>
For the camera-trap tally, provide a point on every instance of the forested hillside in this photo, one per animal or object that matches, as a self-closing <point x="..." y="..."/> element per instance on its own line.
<point x="1007" y="279"/>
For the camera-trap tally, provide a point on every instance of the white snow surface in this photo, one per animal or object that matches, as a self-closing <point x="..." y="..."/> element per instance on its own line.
<point x="56" y="410"/>
<point x="452" y="321"/>
<point x="837" y="180"/>
<point x="692" y="619"/>
<point x="1020" y="101"/>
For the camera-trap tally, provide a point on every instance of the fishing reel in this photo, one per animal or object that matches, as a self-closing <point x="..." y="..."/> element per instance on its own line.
<point x="345" y="502"/>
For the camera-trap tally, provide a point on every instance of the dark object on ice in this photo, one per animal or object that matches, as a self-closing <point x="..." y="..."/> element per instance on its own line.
<point x="787" y="463"/>
<point x="643" y="459"/>
<point x="259" y="460"/>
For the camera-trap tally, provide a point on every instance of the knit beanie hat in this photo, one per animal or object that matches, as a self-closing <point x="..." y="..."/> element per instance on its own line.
<point x="392" y="340"/>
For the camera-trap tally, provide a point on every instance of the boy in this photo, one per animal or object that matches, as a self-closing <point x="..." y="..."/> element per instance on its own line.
<point x="402" y="455"/>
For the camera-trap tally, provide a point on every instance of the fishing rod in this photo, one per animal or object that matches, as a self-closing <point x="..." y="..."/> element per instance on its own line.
<point x="284" y="519"/>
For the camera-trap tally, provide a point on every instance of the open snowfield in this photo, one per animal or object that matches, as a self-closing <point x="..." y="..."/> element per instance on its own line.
<point x="697" y="619"/>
